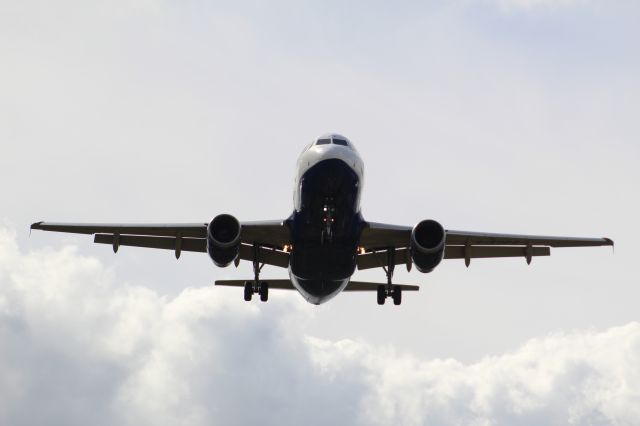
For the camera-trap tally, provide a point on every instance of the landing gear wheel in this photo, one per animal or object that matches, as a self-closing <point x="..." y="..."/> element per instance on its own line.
<point x="248" y="291"/>
<point x="397" y="295"/>
<point x="264" y="291"/>
<point x="382" y="294"/>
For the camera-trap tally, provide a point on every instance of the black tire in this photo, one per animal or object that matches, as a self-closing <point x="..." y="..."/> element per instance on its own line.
<point x="248" y="291"/>
<point x="264" y="291"/>
<point x="382" y="294"/>
<point x="397" y="295"/>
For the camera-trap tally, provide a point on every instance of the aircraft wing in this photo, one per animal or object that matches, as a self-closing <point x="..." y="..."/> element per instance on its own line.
<point x="269" y="237"/>
<point x="377" y="238"/>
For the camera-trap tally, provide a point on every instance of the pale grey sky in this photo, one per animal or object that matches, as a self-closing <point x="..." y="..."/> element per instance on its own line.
<point x="494" y="115"/>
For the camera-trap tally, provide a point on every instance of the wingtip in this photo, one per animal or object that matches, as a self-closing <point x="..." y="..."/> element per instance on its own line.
<point x="611" y="243"/>
<point x="36" y="225"/>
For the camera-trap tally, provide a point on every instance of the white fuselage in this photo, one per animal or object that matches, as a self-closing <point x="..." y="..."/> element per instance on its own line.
<point x="329" y="177"/>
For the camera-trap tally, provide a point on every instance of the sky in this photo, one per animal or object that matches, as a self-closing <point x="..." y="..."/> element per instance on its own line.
<point x="514" y="116"/>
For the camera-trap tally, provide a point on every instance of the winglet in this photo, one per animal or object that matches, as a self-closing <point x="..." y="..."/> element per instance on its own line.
<point x="34" y="226"/>
<point x="610" y="243"/>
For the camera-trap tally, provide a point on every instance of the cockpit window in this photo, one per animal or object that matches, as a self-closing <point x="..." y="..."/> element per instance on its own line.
<point x="323" y="142"/>
<point x="340" y="142"/>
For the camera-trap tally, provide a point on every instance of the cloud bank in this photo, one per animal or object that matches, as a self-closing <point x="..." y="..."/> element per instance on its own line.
<point x="79" y="347"/>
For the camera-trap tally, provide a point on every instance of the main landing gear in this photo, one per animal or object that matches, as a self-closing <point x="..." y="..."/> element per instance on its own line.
<point x="259" y="287"/>
<point x="256" y="286"/>
<point x="389" y="290"/>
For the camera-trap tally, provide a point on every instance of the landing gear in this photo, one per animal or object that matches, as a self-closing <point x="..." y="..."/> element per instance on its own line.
<point x="328" y="212"/>
<point x="264" y="291"/>
<point x="256" y="286"/>
<point x="384" y="291"/>
<point x="261" y="288"/>
<point x="397" y="295"/>
<point x="389" y="290"/>
<point x="248" y="291"/>
<point x="382" y="294"/>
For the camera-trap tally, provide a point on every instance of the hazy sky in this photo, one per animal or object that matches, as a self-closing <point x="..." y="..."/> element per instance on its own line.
<point x="490" y="115"/>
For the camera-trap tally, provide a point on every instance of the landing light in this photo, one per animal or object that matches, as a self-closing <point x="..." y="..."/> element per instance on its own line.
<point x="361" y="250"/>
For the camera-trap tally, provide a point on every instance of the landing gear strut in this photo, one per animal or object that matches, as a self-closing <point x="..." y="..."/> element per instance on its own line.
<point x="256" y="286"/>
<point x="328" y="212"/>
<point x="389" y="290"/>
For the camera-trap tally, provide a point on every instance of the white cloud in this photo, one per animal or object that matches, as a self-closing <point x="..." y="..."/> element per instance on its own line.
<point x="80" y="348"/>
<point x="575" y="378"/>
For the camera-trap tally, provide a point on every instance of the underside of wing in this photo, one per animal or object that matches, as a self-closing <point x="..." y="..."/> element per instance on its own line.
<point x="379" y="239"/>
<point x="195" y="230"/>
<point x="486" y="239"/>
<point x="262" y="240"/>
<point x="377" y="236"/>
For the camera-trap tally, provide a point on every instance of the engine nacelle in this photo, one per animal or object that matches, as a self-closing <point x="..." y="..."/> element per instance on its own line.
<point x="223" y="239"/>
<point x="427" y="245"/>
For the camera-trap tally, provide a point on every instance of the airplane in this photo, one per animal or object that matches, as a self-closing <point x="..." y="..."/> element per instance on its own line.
<point x="326" y="238"/>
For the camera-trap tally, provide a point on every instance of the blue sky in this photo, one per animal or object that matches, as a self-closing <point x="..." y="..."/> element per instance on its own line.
<point x="498" y="116"/>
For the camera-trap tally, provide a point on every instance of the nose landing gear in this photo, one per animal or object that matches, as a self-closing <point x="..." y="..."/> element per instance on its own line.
<point x="328" y="212"/>
<point x="389" y="290"/>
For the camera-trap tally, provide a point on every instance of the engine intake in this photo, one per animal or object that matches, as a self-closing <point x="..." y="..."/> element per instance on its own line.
<point x="427" y="245"/>
<point x="223" y="239"/>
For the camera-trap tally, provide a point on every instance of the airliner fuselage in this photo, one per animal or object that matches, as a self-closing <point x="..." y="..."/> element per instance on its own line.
<point x="326" y="222"/>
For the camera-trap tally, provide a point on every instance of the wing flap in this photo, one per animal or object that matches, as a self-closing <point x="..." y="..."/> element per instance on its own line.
<point x="484" y="252"/>
<point x="379" y="259"/>
<point x="167" y="243"/>
<point x="265" y="255"/>
<point x="485" y="239"/>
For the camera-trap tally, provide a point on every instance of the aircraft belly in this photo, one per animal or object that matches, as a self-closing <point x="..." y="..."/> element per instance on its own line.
<point x="318" y="291"/>
<point x="325" y="231"/>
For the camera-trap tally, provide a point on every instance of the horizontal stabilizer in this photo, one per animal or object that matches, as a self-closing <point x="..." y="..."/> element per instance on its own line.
<point x="365" y="286"/>
<point x="287" y="285"/>
<point x="273" y="284"/>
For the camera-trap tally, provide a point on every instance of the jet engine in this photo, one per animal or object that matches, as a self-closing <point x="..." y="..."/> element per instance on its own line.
<point x="427" y="245"/>
<point x="223" y="239"/>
